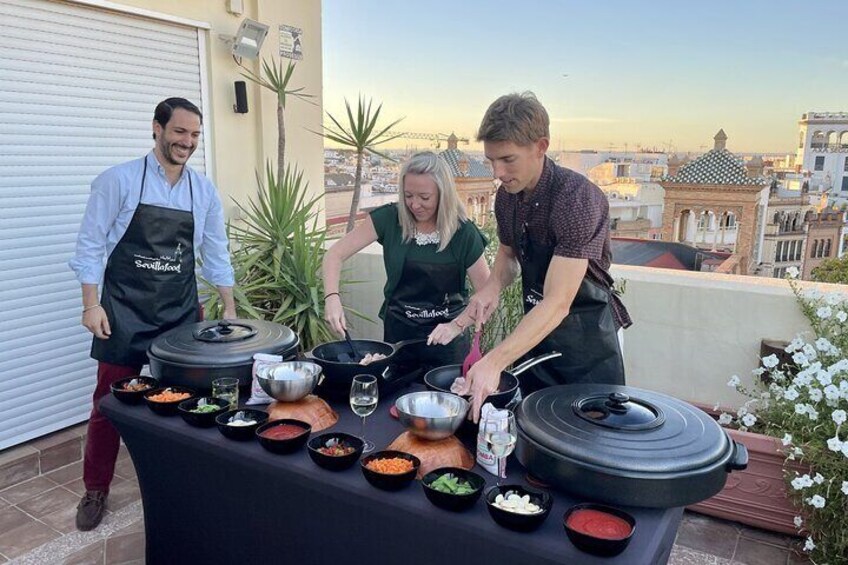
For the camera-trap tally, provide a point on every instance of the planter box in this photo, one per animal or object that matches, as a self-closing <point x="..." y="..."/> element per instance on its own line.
<point x="756" y="496"/>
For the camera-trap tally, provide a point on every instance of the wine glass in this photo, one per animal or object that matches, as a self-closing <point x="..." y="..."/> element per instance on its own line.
<point x="363" y="401"/>
<point x="500" y="435"/>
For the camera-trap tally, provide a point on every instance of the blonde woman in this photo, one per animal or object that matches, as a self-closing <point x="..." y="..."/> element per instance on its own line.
<point x="429" y="249"/>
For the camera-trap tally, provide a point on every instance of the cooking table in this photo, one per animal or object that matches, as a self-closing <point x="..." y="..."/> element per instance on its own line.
<point x="213" y="500"/>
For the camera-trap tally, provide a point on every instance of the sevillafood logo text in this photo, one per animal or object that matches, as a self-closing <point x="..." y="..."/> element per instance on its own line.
<point x="161" y="264"/>
<point x="413" y="313"/>
<point x="534" y="297"/>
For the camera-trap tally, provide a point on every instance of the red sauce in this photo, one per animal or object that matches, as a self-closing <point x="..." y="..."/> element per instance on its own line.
<point x="283" y="431"/>
<point x="598" y="524"/>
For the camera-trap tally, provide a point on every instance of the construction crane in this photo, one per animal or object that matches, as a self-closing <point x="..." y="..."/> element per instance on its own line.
<point x="435" y="138"/>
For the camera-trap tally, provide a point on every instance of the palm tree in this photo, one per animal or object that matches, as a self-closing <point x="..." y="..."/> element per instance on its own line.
<point x="277" y="81"/>
<point x="361" y="135"/>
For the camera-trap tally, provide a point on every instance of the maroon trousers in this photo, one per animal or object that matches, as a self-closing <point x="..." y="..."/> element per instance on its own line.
<point x="103" y="441"/>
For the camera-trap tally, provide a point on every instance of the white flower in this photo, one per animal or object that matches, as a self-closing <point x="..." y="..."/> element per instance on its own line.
<point x="822" y="344"/>
<point x="833" y="298"/>
<point x="734" y="381"/>
<point x="845" y="448"/>
<point x="823" y="377"/>
<point x="831" y="392"/>
<point x="758" y="372"/>
<point x="725" y="419"/>
<point x="749" y="420"/>
<point x="816" y="394"/>
<point x="811" y="294"/>
<point x="845" y="487"/>
<point x="770" y="362"/>
<point x="841" y="316"/>
<point x="809" y="545"/>
<point x="798" y="451"/>
<point x="818" y="479"/>
<point x="797" y="521"/>
<point x="790" y="393"/>
<point x="795" y="345"/>
<point x="800" y="483"/>
<point x="838" y="367"/>
<point x="742" y="410"/>
<point x="800" y="358"/>
<point x="812" y="413"/>
<point x="824" y="312"/>
<point x="810" y="351"/>
<point x="787" y="439"/>
<point x="834" y="444"/>
<point x="839" y="417"/>
<point x="816" y="501"/>
<point x="801" y="409"/>
<point x="792" y="272"/>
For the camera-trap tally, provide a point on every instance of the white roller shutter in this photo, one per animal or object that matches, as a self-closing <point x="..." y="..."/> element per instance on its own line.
<point x="77" y="90"/>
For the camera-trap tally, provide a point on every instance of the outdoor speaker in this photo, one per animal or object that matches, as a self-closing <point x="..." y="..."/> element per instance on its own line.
<point x="240" y="107"/>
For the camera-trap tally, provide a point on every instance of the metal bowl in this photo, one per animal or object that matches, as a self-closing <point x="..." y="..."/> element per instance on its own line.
<point x="289" y="381"/>
<point x="431" y="415"/>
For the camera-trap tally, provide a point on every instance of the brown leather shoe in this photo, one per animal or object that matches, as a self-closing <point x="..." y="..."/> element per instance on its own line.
<point x="90" y="509"/>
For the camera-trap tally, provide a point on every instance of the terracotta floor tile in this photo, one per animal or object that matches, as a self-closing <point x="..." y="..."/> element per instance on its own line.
<point x="11" y="518"/>
<point x="122" y="494"/>
<point x="709" y="536"/>
<point x="89" y="555"/>
<point x="63" y="520"/>
<point x="125" y="469"/>
<point x="123" y="546"/>
<point x="66" y="474"/>
<point x="752" y="552"/>
<point x="22" y="539"/>
<point x="48" y="502"/>
<point x="26" y="490"/>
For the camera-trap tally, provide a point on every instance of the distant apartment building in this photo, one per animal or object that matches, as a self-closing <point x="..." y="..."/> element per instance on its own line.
<point x="474" y="181"/>
<point x="634" y="194"/>
<point x="822" y="154"/>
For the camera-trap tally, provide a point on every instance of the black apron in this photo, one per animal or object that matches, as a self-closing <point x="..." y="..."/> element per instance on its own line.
<point x="427" y="295"/>
<point x="587" y="337"/>
<point x="149" y="285"/>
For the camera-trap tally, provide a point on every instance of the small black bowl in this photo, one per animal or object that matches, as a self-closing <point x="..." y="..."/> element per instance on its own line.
<point x="133" y="396"/>
<point x="201" y="419"/>
<point x="339" y="462"/>
<point x="240" y="433"/>
<point x="513" y="520"/>
<point x="604" y="547"/>
<point x="283" y="446"/>
<point x="386" y="481"/>
<point x="453" y="502"/>
<point x="166" y="408"/>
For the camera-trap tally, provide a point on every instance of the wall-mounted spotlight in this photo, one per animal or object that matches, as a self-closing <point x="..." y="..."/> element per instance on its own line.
<point x="249" y="38"/>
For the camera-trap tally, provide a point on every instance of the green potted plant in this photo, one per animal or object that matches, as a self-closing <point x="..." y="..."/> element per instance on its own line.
<point x="803" y="408"/>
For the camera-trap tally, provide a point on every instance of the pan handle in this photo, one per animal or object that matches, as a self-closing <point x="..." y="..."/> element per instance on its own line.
<point x="401" y="344"/>
<point x="739" y="459"/>
<point x="535" y="361"/>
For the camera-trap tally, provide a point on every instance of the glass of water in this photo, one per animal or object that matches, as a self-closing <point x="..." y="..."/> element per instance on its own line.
<point x="363" y="401"/>
<point x="500" y="435"/>
<point x="226" y="389"/>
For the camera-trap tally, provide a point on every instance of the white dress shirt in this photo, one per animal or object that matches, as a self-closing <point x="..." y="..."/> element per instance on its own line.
<point x="114" y="197"/>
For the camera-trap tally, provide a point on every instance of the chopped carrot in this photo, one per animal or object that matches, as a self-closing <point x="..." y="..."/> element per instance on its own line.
<point x="169" y="395"/>
<point x="390" y="466"/>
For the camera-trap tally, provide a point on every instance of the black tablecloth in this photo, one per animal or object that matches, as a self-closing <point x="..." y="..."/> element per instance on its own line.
<point x="208" y="499"/>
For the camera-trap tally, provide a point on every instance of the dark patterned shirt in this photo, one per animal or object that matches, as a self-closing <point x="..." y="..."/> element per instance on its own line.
<point x="568" y="212"/>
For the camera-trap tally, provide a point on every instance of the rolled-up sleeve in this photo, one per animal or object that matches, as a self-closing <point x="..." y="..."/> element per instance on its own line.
<point x="88" y="262"/>
<point x="217" y="268"/>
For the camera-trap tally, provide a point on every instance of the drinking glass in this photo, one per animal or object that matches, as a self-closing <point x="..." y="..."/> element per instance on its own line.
<point x="226" y="389"/>
<point x="363" y="401"/>
<point x="500" y="435"/>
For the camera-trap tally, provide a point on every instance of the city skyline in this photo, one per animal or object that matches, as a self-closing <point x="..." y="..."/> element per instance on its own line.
<point x="667" y="77"/>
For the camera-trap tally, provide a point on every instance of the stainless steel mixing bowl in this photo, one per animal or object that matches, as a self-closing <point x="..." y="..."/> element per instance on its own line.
<point x="431" y="415"/>
<point x="289" y="381"/>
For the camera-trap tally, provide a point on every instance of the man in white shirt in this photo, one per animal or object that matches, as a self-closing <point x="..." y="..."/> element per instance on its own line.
<point x="149" y="217"/>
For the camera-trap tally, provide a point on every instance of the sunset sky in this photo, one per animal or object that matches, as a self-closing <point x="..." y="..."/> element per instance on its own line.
<point x="645" y="73"/>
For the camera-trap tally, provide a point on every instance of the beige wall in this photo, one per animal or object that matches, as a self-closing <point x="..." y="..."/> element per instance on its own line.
<point x="241" y="142"/>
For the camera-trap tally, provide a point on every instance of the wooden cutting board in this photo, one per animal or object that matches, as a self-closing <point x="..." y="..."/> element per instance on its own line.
<point x="311" y="409"/>
<point x="448" y="452"/>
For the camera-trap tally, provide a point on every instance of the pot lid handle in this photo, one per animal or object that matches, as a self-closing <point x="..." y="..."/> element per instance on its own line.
<point x="225" y="332"/>
<point x="619" y="411"/>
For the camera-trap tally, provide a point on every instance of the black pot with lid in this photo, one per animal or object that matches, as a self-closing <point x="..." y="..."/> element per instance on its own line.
<point x="624" y="445"/>
<point x="193" y="355"/>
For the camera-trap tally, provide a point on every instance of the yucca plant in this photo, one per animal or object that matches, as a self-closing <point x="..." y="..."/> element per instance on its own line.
<point x="361" y="134"/>
<point x="277" y="249"/>
<point x="275" y="79"/>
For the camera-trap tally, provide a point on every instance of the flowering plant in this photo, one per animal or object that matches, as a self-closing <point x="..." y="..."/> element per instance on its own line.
<point x="806" y="404"/>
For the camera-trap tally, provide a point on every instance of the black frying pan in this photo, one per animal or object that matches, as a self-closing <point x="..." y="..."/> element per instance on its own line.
<point x="340" y="367"/>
